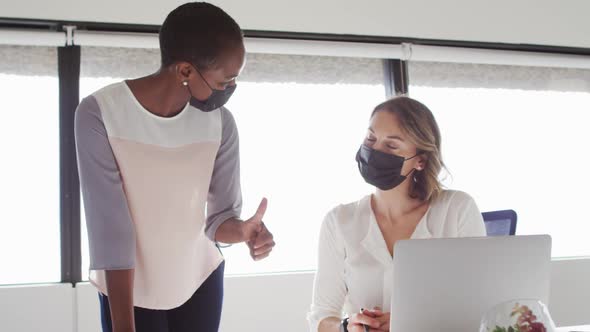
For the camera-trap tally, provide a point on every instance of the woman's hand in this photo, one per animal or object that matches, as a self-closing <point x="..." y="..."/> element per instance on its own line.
<point x="258" y="238"/>
<point x="375" y="320"/>
<point x="383" y="318"/>
<point x="364" y="321"/>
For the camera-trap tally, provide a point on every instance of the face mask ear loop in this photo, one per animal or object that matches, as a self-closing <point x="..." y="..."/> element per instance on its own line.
<point x="410" y="172"/>
<point x="413" y="169"/>
<point x="203" y="78"/>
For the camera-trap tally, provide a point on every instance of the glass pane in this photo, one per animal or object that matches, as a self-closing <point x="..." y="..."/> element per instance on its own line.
<point x="29" y="137"/>
<point x="301" y="120"/>
<point x="514" y="138"/>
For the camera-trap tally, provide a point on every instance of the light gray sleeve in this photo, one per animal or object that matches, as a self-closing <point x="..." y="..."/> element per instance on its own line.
<point x="111" y="233"/>
<point x="225" y="194"/>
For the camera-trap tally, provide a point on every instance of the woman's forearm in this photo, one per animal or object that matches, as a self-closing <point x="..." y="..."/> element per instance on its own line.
<point x="231" y="231"/>
<point x="330" y="324"/>
<point x="120" y="293"/>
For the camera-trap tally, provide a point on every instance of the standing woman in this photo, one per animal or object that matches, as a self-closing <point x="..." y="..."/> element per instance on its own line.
<point x="159" y="169"/>
<point x="401" y="158"/>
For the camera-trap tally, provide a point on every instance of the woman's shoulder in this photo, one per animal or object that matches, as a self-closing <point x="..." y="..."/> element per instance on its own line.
<point x="343" y="213"/>
<point x="117" y="88"/>
<point x="452" y="198"/>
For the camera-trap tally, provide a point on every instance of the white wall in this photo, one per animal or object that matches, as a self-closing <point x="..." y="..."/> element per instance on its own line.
<point x="35" y="308"/>
<point x="87" y="310"/>
<point x="569" y="300"/>
<point x="267" y="303"/>
<point x="252" y="304"/>
<point x="544" y="22"/>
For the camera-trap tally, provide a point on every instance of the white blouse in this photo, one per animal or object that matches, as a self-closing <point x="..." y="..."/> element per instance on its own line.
<point x="355" y="268"/>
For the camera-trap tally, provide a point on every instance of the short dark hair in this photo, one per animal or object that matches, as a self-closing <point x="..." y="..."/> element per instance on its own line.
<point x="197" y="32"/>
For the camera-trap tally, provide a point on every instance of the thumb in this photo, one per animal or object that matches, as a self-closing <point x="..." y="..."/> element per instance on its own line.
<point x="253" y="225"/>
<point x="260" y="211"/>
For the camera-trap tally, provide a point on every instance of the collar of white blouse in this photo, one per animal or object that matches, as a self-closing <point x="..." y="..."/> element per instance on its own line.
<point x="374" y="242"/>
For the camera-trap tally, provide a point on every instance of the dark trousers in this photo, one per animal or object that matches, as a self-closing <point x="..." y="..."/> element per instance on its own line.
<point x="201" y="312"/>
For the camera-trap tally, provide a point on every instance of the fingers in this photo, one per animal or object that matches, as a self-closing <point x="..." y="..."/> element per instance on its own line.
<point x="359" y="328"/>
<point x="384" y="319"/>
<point x="364" y="328"/>
<point x="249" y="230"/>
<point x="264" y="249"/>
<point x="372" y="313"/>
<point x="263" y="238"/>
<point x="260" y="256"/>
<point x="363" y="319"/>
<point x="377" y="311"/>
<point x="258" y="253"/>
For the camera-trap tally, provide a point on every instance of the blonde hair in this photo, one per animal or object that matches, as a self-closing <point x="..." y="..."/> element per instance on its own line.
<point x="418" y="123"/>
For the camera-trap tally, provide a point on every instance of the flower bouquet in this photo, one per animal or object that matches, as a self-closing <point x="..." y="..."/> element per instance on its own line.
<point x="518" y="316"/>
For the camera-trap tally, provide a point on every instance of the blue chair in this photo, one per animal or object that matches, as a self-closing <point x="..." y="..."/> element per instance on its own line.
<point x="499" y="223"/>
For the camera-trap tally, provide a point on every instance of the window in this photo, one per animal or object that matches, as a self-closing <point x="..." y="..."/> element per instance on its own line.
<point x="29" y="136"/>
<point x="301" y="120"/>
<point x="515" y="138"/>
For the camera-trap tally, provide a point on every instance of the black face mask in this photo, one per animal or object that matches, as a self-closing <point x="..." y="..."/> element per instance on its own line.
<point x="380" y="169"/>
<point x="217" y="98"/>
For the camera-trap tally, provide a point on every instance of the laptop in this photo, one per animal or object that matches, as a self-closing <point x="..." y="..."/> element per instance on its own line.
<point x="448" y="284"/>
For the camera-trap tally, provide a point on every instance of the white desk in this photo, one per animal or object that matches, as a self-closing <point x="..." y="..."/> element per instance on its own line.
<point x="580" y="328"/>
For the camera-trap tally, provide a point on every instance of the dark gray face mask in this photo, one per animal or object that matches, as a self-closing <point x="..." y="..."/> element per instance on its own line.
<point x="380" y="169"/>
<point x="217" y="98"/>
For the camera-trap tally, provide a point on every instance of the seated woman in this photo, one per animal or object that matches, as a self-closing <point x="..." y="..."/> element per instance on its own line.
<point x="401" y="157"/>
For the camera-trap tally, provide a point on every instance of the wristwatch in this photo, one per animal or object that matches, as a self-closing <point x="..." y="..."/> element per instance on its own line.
<point x="344" y="325"/>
